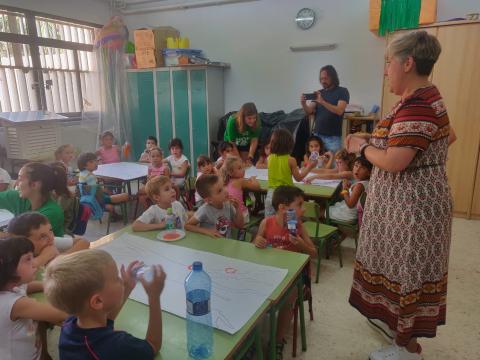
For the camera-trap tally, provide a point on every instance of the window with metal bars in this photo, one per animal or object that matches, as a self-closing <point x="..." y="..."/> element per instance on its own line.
<point x="46" y="63"/>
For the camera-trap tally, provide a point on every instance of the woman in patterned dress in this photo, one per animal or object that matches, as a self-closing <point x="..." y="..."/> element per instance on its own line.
<point x="401" y="265"/>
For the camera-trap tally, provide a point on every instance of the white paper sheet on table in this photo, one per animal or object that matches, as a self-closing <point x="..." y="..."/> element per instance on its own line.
<point x="260" y="174"/>
<point x="239" y="287"/>
<point x="122" y="170"/>
<point x="5" y="217"/>
<point x="329" y="183"/>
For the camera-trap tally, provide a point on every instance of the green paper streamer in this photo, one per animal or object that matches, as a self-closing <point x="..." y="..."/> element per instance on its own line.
<point x="398" y="14"/>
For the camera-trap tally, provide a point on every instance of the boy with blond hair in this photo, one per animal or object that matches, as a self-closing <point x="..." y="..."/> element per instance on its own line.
<point x="86" y="284"/>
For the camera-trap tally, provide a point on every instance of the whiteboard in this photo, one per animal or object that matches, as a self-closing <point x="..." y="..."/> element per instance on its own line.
<point x="239" y="287"/>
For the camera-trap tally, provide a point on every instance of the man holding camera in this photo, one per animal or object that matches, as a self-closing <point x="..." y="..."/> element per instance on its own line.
<point x="328" y="105"/>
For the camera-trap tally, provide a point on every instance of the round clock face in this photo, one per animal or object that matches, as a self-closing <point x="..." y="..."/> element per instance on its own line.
<point x="305" y="18"/>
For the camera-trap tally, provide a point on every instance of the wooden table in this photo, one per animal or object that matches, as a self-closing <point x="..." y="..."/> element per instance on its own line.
<point x="134" y="315"/>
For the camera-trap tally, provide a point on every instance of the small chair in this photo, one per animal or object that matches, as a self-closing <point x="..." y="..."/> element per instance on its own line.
<point x="307" y="296"/>
<point x="320" y="233"/>
<point x="187" y="195"/>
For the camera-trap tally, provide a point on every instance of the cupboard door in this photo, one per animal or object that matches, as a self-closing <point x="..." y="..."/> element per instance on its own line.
<point x="199" y="114"/>
<point x="457" y="75"/>
<point x="164" y="110"/>
<point x="181" y="110"/>
<point x="142" y="109"/>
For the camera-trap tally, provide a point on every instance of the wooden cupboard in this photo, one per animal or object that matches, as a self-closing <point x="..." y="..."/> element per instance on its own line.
<point x="457" y="76"/>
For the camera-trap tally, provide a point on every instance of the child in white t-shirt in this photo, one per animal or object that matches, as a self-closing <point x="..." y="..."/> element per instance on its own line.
<point x="19" y="313"/>
<point x="178" y="162"/>
<point x="161" y="191"/>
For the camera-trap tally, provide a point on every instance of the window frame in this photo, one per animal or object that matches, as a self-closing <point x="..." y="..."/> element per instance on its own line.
<point x="34" y="42"/>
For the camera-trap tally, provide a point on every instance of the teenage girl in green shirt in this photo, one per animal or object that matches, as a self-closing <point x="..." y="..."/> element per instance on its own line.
<point x="282" y="166"/>
<point x="243" y="130"/>
<point x="36" y="182"/>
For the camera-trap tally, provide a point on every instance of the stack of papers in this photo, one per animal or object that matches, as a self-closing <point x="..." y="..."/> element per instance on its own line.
<point x="262" y="174"/>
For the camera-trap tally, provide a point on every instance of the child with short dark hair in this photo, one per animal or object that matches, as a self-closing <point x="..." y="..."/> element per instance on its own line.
<point x="216" y="216"/>
<point x="19" y="313"/>
<point x="205" y="166"/>
<point x="178" y="162"/>
<point x="161" y="191"/>
<point x="87" y="164"/>
<point x="38" y="230"/>
<point x="225" y="148"/>
<point x="151" y="143"/>
<point x="87" y="285"/>
<point x="273" y="232"/>
<point x="108" y="153"/>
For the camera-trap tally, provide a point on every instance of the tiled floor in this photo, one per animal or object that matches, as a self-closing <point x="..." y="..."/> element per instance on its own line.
<point x="340" y="332"/>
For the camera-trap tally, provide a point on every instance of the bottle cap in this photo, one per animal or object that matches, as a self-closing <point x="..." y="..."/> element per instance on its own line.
<point x="169" y="211"/>
<point x="197" y="266"/>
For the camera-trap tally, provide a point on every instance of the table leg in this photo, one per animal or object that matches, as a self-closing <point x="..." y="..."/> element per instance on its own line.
<point x="273" y="332"/>
<point x="258" y="343"/>
<point x="302" y="313"/>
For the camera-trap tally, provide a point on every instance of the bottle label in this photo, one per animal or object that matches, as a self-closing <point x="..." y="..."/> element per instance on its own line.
<point x="198" y="308"/>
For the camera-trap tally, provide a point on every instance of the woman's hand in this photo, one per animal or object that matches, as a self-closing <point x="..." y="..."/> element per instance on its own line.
<point x="353" y="143"/>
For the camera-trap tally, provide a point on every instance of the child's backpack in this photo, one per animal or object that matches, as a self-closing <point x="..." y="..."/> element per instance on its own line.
<point x="88" y="198"/>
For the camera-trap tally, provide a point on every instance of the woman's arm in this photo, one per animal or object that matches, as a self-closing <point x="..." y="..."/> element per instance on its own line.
<point x="452" y="137"/>
<point x="253" y="147"/>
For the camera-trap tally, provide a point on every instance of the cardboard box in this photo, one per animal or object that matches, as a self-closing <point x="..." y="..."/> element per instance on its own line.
<point x="145" y="58"/>
<point x="143" y="39"/>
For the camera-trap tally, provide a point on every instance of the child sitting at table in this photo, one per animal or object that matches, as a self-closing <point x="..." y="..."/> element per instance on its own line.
<point x="65" y="154"/>
<point x="152" y="142"/>
<point x="225" y="149"/>
<point x="343" y="169"/>
<point x="38" y="230"/>
<point x="108" y="153"/>
<point x="5" y="180"/>
<point x="315" y="146"/>
<point x="346" y="210"/>
<point x="216" y="216"/>
<point x="273" y="232"/>
<point x="161" y="191"/>
<point x="205" y="167"/>
<point x="178" y="162"/>
<point x="87" y="164"/>
<point x="87" y="285"/>
<point x="19" y="313"/>
<point x="263" y="153"/>
<point x="157" y="165"/>
<point x="233" y="177"/>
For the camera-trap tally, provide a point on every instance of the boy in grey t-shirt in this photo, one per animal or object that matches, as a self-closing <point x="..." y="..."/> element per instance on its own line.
<point x="218" y="213"/>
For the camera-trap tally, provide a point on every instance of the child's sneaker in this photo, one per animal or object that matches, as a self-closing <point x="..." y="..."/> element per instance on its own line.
<point x="395" y="352"/>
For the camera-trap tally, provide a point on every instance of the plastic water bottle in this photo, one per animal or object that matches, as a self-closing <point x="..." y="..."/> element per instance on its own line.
<point x="170" y="220"/>
<point x="144" y="271"/>
<point x="198" y="286"/>
<point x="292" y="221"/>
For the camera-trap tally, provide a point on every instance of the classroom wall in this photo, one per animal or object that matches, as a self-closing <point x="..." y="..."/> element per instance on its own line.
<point x="95" y="11"/>
<point x="255" y="38"/>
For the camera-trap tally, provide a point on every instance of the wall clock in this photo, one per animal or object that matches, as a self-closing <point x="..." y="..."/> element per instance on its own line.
<point x="305" y="18"/>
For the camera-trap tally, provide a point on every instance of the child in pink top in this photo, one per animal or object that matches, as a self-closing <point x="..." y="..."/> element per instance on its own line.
<point x="108" y="153"/>
<point x="157" y="166"/>
<point x="233" y="174"/>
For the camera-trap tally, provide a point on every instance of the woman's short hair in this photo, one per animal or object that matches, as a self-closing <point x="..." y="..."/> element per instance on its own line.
<point x="421" y="46"/>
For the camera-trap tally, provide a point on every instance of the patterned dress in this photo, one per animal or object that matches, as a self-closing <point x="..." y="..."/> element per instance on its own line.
<point x="401" y="265"/>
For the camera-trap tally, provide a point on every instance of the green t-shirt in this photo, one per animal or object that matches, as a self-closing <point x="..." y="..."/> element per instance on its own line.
<point x="11" y="201"/>
<point x="240" y="139"/>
